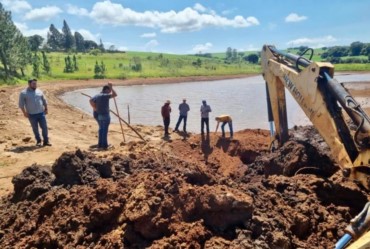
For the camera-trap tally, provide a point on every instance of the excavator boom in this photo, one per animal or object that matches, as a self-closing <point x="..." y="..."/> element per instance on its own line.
<point x="322" y="99"/>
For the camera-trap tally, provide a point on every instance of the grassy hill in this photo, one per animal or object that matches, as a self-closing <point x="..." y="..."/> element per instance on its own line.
<point x="120" y="65"/>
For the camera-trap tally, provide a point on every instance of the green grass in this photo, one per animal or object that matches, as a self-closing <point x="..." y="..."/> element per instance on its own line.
<point x="161" y="65"/>
<point x="153" y="65"/>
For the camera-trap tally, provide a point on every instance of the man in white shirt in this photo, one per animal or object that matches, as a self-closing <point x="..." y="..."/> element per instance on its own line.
<point x="204" y="112"/>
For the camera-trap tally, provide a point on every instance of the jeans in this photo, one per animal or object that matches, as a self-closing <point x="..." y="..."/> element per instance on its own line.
<point x="230" y="127"/>
<point x="103" y="121"/>
<point x="204" y="121"/>
<point x="166" y="123"/>
<point x="182" y="117"/>
<point x="37" y="120"/>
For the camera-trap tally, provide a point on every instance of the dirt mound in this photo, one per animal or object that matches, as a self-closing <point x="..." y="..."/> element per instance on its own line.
<point x="179" y="197"/>
<point x="32" y="182"/>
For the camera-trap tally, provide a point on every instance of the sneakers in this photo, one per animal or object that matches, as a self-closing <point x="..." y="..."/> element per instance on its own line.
<point x="38" y="143"/>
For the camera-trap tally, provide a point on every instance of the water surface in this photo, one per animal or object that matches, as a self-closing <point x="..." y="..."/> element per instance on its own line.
<point x="244" y="99"/>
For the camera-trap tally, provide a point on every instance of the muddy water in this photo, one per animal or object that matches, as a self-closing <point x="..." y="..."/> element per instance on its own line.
<point x="243" y="99"/>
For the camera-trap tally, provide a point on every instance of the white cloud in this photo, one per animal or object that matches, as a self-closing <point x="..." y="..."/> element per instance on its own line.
<point x="201" y="48"/>
<point x="122" y="48"/>
<point x="229" y="11"/>
<point x="313" y="42"/>
<point x="88" y="35"/>
<point x="74" y="10"/>
<point x="151" y="45"/>
<point x="187" y="19"/>
<point x="148" y="35"/>
<point x="16" y="5"/>
<point x="29" y="32"/>
<point x="294" y="17"/>
<point x="199" y="7"/>
<point x="44" y="13"/>
<point x="251" y="47"/>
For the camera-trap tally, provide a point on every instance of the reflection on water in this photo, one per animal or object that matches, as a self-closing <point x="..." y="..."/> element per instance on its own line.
<point x="243" y="99"/>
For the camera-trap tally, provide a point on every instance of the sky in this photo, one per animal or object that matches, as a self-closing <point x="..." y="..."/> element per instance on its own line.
<point x="207" y="26"/>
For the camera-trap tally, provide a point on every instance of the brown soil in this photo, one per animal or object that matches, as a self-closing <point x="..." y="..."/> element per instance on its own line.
<point x="184" y="192"/>
<point x="192" y="193"/>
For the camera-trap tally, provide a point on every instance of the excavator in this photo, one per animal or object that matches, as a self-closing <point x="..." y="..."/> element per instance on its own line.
<point x="323" y="99"/>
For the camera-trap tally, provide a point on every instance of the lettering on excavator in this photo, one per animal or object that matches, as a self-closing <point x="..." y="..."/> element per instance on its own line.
<point x="297" y="95"/>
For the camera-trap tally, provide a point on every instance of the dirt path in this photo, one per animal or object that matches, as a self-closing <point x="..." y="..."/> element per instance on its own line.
<point x="69" y="128"/>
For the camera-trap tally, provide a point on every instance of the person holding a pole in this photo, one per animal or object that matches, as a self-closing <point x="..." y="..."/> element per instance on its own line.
<point x="100" y="104"/>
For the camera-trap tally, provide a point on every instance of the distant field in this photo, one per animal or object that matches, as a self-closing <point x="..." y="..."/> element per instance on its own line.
<point x="119" y="65"/>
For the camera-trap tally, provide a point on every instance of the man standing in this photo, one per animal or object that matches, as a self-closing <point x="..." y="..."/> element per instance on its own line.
<point x="33" y="104"/>
<point x="100" y="104"/>
<point x="166" y="110"/>
<point x="204" y="112"/>
<point x="183" y="108"/>
<point x="225" y="119"/>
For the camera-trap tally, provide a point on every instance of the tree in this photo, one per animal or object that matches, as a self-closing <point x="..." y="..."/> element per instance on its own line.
<point x="45" y="63"/>
<point x="35" y="41"/>
<point x="366" y="49"/>
<point x="68" y="68"/>
<point x="136" y="64"/>
<point x="251" y="58"/>
<point x="101" y="46"/>
<point x="229" y="53"/>
<point x="234" y="54"/>
<point x="99" y="70"/>
<point x="112" y="48"/>
<point x="90" y="45"/>
<point x="14" y="50"/>
<point x="69" y="39"/>
<point x="75" y="66"/>
<point x="55" y="39"/>
<point x="355" y="48"/>
<point x="36" y="65"/>
<point x="80" y="42"/>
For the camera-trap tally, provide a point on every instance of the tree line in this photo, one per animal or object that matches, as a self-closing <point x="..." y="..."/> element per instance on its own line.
<point x="63" y="41"/>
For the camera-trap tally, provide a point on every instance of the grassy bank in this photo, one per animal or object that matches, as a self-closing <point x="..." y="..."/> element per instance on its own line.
<point x="156" y="65"/>
<point x="120" y="66"/>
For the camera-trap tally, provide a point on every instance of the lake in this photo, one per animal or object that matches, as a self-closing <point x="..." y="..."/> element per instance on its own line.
<point x="244" y="99"/>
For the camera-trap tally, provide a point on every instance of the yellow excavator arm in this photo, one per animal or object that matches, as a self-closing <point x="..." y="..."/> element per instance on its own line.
<point x="322" y="99"/>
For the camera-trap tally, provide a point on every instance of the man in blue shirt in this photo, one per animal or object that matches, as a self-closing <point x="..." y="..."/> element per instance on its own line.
<point x="183" y="108"/>
<point x="33" y="104"/>
<point x="100" y="104"/>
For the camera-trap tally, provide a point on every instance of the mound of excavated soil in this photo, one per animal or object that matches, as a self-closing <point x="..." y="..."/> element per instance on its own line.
<point x="195" y="193"/>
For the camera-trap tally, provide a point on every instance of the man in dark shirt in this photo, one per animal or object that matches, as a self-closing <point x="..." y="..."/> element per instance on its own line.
<point x="100" y="104"/>
<point x="184" y="109"/>
<point x="166" y="110"/>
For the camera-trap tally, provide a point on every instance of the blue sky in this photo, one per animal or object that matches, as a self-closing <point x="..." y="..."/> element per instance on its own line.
<point x="199" y="26"/>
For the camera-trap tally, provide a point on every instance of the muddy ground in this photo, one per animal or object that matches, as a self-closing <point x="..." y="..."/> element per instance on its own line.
<point x="198" y="192"/>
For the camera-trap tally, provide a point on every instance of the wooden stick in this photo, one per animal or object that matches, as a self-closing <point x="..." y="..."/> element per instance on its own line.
<point x="128" y="114"/>
<point x="119" y="118"/>
<point x="129" y="126"/>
